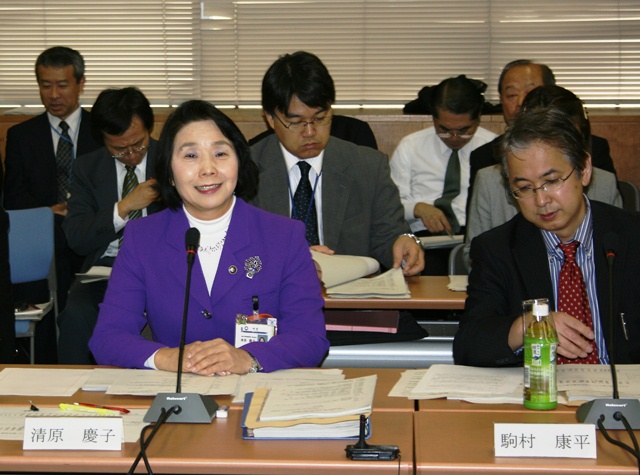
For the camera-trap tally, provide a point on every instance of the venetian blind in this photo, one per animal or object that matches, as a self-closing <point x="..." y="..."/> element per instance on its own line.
<point x="380" y="52"/>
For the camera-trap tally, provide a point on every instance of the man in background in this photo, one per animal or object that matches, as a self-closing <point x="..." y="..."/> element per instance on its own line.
<point x="341" y="191"/>
<point x="40" y="154"/>
<point x="111" y="186"/>
<point x="431" y="166"/>
<point x="554" y="248"/>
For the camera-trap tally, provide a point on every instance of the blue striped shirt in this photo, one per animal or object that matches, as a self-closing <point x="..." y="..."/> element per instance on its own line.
<point x="586" y="262"/>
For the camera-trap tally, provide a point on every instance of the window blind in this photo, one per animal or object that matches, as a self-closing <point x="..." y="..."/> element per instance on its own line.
<point x="379" y="52"/>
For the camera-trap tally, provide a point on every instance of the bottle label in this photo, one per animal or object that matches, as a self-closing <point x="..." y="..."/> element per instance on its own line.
<point x="540" y="373"/>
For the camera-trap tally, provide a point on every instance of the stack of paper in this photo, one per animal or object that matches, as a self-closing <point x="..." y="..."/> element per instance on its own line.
<point x="588" y="382"/>
<point x="390" y="285"/>
<point x="316" y="410"/>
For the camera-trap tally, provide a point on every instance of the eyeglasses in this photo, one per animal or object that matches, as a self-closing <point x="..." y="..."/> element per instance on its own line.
<point x="528" y="192"/>
<point x="302" y="124"/>
<point x="130" y="152"/>
<point x="454" y="133"/>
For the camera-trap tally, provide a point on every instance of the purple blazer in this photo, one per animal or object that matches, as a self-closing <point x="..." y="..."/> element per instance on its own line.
<point x="148" y="282"/>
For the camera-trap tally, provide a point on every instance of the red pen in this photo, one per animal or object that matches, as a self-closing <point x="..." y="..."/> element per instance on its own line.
<point x="121" y="410"/>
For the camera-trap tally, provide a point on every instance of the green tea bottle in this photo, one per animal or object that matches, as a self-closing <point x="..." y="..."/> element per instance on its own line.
<point x="540" y="346"/>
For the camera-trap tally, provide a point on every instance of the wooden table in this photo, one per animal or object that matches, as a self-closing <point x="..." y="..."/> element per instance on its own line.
<point x="427" y="292"/>
<point x="462" y="443"/>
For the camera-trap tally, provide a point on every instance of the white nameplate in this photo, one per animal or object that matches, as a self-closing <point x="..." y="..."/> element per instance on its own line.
<point x="73" y="433"/>
<point x="545" y="440"/>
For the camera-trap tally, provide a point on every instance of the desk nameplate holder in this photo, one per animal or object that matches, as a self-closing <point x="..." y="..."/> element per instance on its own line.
<point x="85" y="432"/>
<point x="545" y="440"/>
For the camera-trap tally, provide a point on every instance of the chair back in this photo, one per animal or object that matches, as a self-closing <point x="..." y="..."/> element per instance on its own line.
<point x="31" y="244"/>
<point x="630" y="196"/>
<point x="457" y="266"/>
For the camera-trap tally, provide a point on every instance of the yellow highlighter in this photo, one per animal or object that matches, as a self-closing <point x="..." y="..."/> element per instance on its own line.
<point x="86" y="409"/>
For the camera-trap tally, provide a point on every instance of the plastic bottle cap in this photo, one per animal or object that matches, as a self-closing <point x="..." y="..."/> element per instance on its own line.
<point x="541" y="309"/>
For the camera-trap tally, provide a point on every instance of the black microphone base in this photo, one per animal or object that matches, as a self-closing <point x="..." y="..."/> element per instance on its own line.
<point x="194" y="408"/>
<point x="591" y="411"/>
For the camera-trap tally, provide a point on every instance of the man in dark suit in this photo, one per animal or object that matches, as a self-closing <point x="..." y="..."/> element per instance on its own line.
<point x="38" y="170"/>
<point x="33" y="176"/>
<point x="103" y="200"/>
<point x="517" y="79"/>
<point x="354" y="206"/>
<point x="7" y="315"/>
<point x="548" y="167"/>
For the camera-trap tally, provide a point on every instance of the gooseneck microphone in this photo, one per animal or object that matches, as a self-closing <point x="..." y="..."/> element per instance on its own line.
<point x="191" y="407"/>
<point x="192" y="240"/>
<point x="609" y="413"/>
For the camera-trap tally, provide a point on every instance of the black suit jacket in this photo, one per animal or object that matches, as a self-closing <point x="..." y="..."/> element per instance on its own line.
<point x="94" y="190"/>
<point x="7" y="316"/>
<point x="510" y="265"/>
<point x="31" y="162"/>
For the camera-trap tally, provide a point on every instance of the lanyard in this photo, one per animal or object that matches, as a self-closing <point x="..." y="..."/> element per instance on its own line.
<point x="294" y="215"/>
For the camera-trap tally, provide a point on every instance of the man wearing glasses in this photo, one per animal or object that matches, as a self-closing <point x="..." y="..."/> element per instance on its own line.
<point x="342" y="192"/>
<point x="111" y="187"/>
<point x="557" y="247"/>
<point x="431" y="166"/>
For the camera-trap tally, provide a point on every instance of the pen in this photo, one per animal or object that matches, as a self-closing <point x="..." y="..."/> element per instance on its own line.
<point x="121" y="410"/>
<point x="86" y="407"/>
<point x="256" y="312"/>
<point x="449" y="232"/>
<point x="94" y="410"/>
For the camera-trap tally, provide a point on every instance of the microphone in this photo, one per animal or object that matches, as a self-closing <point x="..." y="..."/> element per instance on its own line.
<point x="608" y="413"/>
<point x="191" y="407"/>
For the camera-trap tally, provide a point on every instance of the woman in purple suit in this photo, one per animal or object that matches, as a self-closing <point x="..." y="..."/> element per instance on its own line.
<point x="246" y="258"/>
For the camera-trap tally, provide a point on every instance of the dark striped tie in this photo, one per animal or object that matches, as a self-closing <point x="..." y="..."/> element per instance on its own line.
<point x="130" y="182"/>
<point x="64" y="157"/>
<point x="450" y="191"/>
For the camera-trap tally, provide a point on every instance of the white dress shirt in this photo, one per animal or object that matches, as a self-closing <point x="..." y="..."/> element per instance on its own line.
<point x="418" y="168"/>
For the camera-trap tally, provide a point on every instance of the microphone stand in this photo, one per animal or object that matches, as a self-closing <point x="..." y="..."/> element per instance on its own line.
<point x="189" y="407"/>
<point x="611" y="413"/>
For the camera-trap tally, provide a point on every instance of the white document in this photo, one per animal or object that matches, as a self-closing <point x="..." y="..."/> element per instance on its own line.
<point x="41" y="382"/>
<point x="95" y="274"/>
<point x="587" y="382"/>
<point x="338" y="269"/>
<point x="101" y="378"/>
<point x="250" y="381"/>
<point x="408" y="380"/>
<point x="391" y="285"/>
<point x="320" y="399"/>
<point x="458" y="283"/>
<point x="466" y="381"/>
<point x="141" y="382"/>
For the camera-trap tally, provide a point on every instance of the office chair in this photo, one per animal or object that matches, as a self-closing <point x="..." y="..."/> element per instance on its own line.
<point x="457" y="266"/>
<point x="630" y="196"/>
<point x="31" y="257"/>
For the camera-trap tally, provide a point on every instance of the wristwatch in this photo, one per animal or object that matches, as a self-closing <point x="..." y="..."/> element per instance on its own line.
<point x="255" y="366"/>
<point x="414" y="237"/>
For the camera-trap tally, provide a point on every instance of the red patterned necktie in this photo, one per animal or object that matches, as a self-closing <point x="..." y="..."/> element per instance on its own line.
<point x="573" y="298"/>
